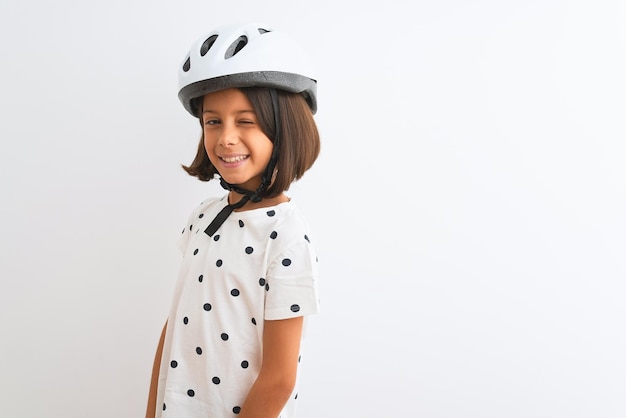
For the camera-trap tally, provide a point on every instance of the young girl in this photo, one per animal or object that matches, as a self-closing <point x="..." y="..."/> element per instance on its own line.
<point x="231" y="344"/>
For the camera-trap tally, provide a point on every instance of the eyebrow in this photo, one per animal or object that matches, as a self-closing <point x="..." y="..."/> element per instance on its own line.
<point x="238" y="111"/>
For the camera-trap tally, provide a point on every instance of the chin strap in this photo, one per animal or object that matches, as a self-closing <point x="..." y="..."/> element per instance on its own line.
<point x="224" y="213"/>
<point x="248" y="195"/>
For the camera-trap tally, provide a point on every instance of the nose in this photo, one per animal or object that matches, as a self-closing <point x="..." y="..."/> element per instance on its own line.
<point x="229" y="135"/>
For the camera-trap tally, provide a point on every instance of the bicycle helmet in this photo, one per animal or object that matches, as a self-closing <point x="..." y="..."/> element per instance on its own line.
<point x="248" y="55"/>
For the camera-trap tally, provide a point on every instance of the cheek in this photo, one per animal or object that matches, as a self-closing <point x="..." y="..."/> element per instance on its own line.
<point x="270" y="148"/>
<point x="210" y="150"/>
<point x="208" y="146"/>
<point x="266" y="145"/>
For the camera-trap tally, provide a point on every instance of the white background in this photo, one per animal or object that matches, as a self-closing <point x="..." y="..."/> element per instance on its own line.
<point x="469" y="203"/>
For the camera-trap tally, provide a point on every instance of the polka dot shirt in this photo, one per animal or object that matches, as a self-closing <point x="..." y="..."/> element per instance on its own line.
<point x="260" y="265"/>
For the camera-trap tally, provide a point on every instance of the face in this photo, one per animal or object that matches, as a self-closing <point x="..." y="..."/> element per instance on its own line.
<point x="233" y="139"/>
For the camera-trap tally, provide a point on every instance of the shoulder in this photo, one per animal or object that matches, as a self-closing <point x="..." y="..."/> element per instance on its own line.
<point x="195" y="218"/>
<point x="295" y="219"/>
<point x="291" y="230"/>
<point x="283" y="223"/>
<point x="288" y="218"/>
<point x="213" y="201"/>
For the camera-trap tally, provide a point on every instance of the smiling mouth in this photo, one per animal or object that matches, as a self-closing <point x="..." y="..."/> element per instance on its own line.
<point x="234" y="159"/>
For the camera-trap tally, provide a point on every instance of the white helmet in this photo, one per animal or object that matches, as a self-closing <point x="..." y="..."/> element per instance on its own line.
<point x="247" y="55"/>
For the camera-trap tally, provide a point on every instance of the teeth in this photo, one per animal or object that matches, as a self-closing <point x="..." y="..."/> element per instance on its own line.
<point x="234" y="159"/>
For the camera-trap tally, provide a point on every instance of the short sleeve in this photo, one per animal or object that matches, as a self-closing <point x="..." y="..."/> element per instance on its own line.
<point x="292" y="289"/>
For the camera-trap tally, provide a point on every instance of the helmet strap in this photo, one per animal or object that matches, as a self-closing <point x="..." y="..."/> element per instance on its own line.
<point x="223" y="214"/>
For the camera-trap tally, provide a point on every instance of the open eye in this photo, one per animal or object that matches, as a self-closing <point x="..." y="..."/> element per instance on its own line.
<point x="211" y="121"/>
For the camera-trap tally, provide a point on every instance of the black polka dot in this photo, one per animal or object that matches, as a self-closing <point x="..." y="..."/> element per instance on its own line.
<point x="307" y="238"/>
<point x="218" y="263"/>
<point x="183" y="230"/>
<point x="244" y="364"/>
<point x="234" y="292"/>
<point x="190" y="227"/>
<point x="299" y="358"/>
<point x="216" y="238"/>
<point x="173" y="364"/>
<point x="201" y="215"/>
<point x="237" y="409"/>
<point x="286" y="262"/>
<point x="216" y="380"/>
<point x="261" y="281"/>
<point x="295" y="308"/>
<point x="249" y="250"/>
<point x="296" y="397"/>
<point x="273" y="235"/>
<point x="241" y="223"/>
<point x="195" y="251"/>
<point x="207" y="307"/>
<point x="271" y="213"/>
<point x="198" y="350"/>
<point x="185" y="320"/>
<point x="191" y="393"/>
<point x="224" y="336"/>
<point x="267" y="287"/>
<point x="254" y="321"/>
<point x="200" y="278"/>
<point x="164" y="407"/>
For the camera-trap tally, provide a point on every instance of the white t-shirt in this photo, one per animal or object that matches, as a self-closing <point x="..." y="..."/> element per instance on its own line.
<point x="259" y="265"/>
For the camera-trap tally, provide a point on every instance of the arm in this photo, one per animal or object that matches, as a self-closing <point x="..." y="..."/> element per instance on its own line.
<point x="151" y="408"/>
<point x="277" y="378"/>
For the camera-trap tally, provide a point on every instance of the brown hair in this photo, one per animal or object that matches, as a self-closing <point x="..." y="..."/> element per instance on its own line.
<point x="299" y="144"/>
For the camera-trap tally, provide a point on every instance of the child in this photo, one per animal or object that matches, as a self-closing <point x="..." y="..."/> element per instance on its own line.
<point x="230" y="346"/>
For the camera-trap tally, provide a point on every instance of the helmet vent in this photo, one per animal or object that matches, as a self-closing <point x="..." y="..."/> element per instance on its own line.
<point x="236" y="46"/>
<point x="207" y="45"/>
<point x="187" y="65"/>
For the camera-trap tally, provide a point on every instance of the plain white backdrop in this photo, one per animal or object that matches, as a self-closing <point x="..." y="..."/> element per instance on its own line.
<point x="469" y="203"/>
